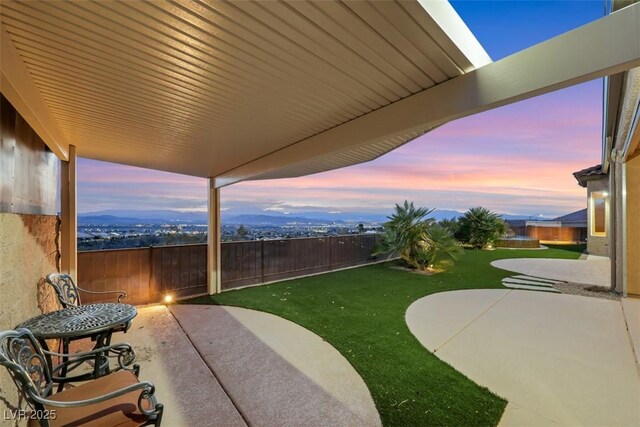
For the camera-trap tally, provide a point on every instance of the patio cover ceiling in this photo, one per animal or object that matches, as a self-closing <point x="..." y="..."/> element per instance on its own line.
<point x="200" y="88"/>
<point x="251" y="90"/>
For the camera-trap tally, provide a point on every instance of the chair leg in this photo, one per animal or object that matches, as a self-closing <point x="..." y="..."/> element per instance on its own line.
<point x="106" y="343"/>
<point x="65" y="360"/>
<point x="160" y="409"/>
<point x="101" y="341"/>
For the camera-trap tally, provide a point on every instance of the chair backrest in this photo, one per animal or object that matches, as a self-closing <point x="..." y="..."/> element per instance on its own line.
<point x="22" y="355"/>
<point x="65" y="288"/>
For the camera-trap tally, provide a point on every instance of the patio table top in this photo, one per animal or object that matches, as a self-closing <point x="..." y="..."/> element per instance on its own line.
<point x="80" y="321"/>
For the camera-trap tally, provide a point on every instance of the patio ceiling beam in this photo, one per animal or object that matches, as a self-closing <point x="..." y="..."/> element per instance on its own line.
<point x="603" y="47"/>
<point x="18" y="87"/>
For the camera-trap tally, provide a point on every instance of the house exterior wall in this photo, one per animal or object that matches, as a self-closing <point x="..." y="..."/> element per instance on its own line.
<point x="597" y="244"/>
<point x="562" y="234"/>
<point x="633" y="226"/>
<point x="28" y="229"/>
<point x="557" y="234"/>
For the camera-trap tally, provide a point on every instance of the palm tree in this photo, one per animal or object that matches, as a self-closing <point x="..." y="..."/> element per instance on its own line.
<point x="451" y="224"/>
<point x="412" y="235"/>
<point x="404" y="230"/>
<point x="441" y="248"/>
<point x="480" y="227"/>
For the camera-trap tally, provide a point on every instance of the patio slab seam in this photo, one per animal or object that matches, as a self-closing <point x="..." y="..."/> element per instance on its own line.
<point x="471" y="322"/>
<point x="202" y="356"/>
<point x="279" y="372"/>
<point x="634" y="345"/>
<point x="517" y="405"/>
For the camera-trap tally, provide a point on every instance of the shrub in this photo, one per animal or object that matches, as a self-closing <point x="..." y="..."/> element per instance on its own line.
<point x="480" y="227"/>
<point x="440" y="248"/>
<point x="452" y="225"/>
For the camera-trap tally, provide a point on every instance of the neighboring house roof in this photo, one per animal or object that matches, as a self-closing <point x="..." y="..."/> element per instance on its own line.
<point x="584" y="175"/>
<point x="574" y="219"/>
<point x="576" y="216"/>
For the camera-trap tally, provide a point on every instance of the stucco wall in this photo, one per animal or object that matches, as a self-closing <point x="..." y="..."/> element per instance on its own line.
<point x="597" y="245"/>
<point x="29" y="247"/>
<point x="28" y="251"/>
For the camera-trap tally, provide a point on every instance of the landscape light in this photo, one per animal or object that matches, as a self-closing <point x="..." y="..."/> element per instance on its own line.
<point x="168" y="299"/>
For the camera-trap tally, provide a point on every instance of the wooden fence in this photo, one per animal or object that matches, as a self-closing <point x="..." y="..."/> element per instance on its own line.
<point x="147" y="274"/>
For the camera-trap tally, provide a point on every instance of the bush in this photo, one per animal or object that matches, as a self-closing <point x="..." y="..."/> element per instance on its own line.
<point x="480" y="227"/>
<point x="416" y="238"/>
<point x="452" y="225"/>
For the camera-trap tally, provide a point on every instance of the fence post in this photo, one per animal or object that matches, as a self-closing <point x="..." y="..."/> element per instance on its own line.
<point x="262" y="260"/>
<point x="330" y="252"/>
<point x="150" y="282"/>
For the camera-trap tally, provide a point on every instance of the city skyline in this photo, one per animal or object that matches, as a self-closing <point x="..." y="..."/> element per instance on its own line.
<point x="516" y="159"/>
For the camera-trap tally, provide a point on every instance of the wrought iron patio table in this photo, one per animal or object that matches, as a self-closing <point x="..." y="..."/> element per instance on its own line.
<point x="95" y="321"/>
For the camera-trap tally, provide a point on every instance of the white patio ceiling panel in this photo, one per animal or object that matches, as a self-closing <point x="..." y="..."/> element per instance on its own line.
<point x="337" y="160"/>
<point x="201" y="88"/>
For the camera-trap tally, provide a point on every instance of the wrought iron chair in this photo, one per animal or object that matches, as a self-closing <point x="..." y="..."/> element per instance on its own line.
<point x="69" y="293"/>
<point x="116" y="399"/>
<point x="69" y="296"/>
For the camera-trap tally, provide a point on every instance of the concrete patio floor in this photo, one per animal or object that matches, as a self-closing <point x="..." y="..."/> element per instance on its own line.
<point x="593" y="270"/>
<point x="185" y="385"/>
<point x="226" y="366"/>
<point x="276" y="372"/>
<point x="558" y="359"/>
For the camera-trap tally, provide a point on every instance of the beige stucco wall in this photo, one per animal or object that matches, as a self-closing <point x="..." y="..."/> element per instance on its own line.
<point x="29" y="248"/>
<point x="28" y="251"/>
<point x="597" y="245"/>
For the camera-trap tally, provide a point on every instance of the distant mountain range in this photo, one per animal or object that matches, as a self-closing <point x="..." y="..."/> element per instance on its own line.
<point x="280" y="220"/>
<point x="315" y="218"/>
<point x="151" y="216"/>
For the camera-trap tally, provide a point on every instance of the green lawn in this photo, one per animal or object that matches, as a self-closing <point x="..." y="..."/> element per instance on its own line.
<point x="361" y="313"/>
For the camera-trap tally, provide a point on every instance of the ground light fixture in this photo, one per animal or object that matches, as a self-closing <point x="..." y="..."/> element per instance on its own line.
<point x="168" y="299"/>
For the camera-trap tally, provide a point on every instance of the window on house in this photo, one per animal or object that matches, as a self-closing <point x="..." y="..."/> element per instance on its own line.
<point x="599" y="213"/>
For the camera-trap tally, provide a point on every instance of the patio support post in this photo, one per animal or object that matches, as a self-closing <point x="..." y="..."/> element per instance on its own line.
<point x="214" y="280"/>
<point x="69" y="215"/>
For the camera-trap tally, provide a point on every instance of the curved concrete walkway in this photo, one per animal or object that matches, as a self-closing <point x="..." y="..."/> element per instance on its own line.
<point x="275" y="371"/>
<point x="558" y="359"/>
<point x="594" y="270"/>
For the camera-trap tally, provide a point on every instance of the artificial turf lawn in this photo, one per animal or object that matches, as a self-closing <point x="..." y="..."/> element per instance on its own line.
<point x="361" y="313"/>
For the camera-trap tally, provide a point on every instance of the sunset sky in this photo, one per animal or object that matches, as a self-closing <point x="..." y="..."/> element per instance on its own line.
<point x="516" y="159"/>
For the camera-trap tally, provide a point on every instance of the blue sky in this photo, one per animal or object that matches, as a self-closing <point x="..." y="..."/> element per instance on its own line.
<point x="506" y="27"/>
<point x="516" y="159"/>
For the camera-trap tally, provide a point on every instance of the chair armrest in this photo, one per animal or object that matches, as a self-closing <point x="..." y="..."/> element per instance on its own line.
<point x="147" y="392"/>
<point x="123" y="351"/>
<point x="121" y="294"/>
